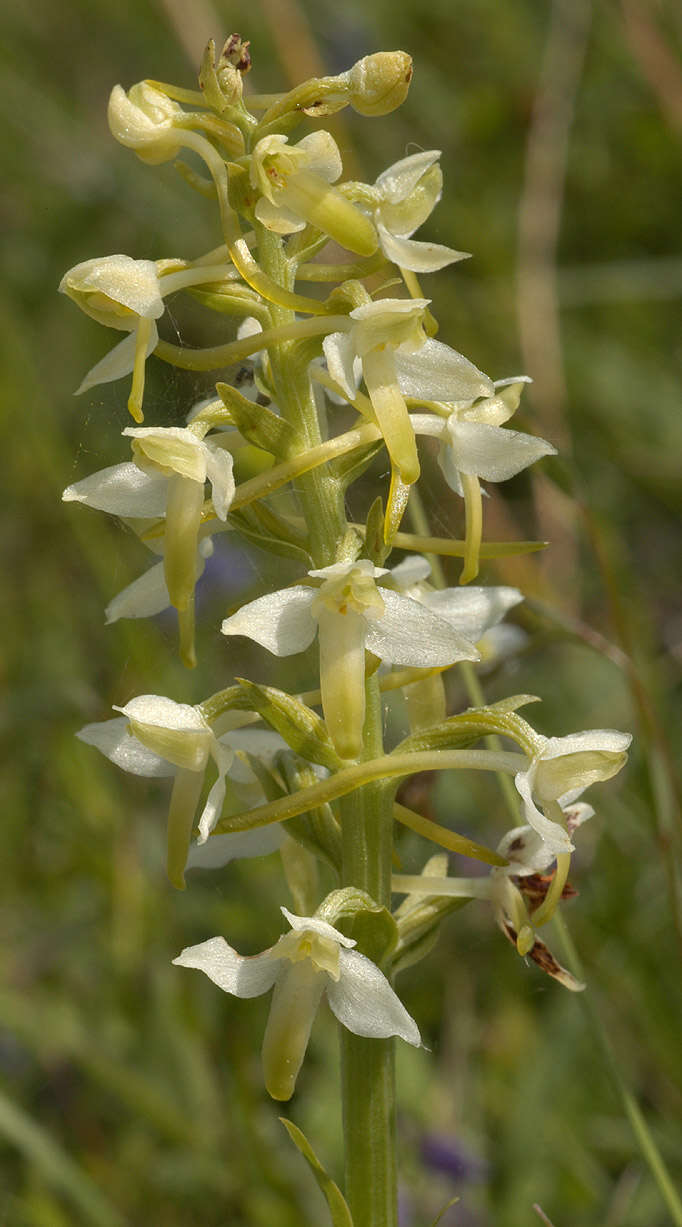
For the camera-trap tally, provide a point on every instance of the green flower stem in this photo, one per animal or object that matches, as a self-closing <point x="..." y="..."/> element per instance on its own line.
<point x="368" y="1079"/>
<point x="368" y="1065"/>
<point x="320" y="492"/>
<point x="451" y="548"/>
<point x="446" y="838"/>
<point x="215" y="356"/>
<point x="387" y="767"/>
<point x="280" y="474"/>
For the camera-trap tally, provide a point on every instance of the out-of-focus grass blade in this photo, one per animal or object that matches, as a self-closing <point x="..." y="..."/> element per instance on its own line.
<point x="55" y="1164"/>
<point x="338" y="1207"/>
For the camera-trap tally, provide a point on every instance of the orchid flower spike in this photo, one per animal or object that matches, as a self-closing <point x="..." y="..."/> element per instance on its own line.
<point x="406" y="193"/>
<point x="397" y="359"/>
<point x="155" y="736"/>
<point x="312" y="960"/>
<point x="294" y="182"/>
<point x="352" y="614"/>
<point x="474" y="446"/>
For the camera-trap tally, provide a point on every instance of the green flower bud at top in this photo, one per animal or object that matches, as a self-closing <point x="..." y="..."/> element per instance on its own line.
<point x="143" y="120"/>
<point x="379" y="83"/>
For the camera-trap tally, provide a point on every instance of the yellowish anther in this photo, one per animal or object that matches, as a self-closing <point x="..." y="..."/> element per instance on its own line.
<point x="302" y="944"/>
<point x="351" y="593"/>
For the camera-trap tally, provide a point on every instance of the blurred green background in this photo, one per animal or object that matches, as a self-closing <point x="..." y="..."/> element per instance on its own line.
<point x="131" y="1091"/>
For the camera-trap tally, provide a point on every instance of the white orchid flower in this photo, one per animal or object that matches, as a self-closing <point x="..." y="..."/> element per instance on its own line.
<point x="125" y="294"/>
<point x="158" y="738"/>
<point x="295" y="181"/>
<point x="474" y="446"/>
<point x="405" y="194"/>
<point x="560" y="771"/>
<point x="511" y="890"/>
<point x="148" y="595"/>
<point x="128" y="295"/>
<point x="352" y="615"/>
<point x="187" y="462"/>
<point x="167" y="481"/>
<point x="397" y="360"/>
<point x="125" y="490"/>
<point x="312" y="960"/>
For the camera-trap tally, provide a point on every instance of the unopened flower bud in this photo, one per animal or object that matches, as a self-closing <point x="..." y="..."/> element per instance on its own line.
<point x="143" y="120"/>
<point x="379" y="83"/>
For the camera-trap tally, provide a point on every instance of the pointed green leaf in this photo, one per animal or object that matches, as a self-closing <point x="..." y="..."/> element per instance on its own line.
<point x="462" y="730"/>
<point x="250" y="525"/>
<point x="376" y="548"/>
<point x="299" y="725"/>
<point x="338" y="1207"/>
<point x="257" y="423"/>
<point x="208" y="79"/>
<point x="317" y="829"/>
<point x="359" y="916"/>
<point x="348" y="468"/>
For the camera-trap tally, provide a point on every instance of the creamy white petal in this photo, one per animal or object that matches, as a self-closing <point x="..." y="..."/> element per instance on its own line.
<point x="234" y="973"/>
<point x="323" y="153"/>
<point x="118" y="362"/>
<point x="568" y="765"/>
<point x="113" y="739"/>
<point x="146" y="596"/>
<point x="277" y="218"/>
<point x="526" y="852"/>
<point x="132" y="283"/>
<point x="399" y="180"/>
<point x="121" y="490"/>
<point x="554" y="835"/>
<point x="410" y="634"/>
<point x="321" y="927"/>
<point x="417" y="256"/>
<point x="437" y="372"/>
<point x="219" y="472"/>
<point x="364" y="1002"/>
<point x="158" y="711"/>
<point x="492" y="452"/>
<point x="473" y="610"/>
<point x="339" y="351"/>
<point x="219" y="850"/>
<point x="412" y="570"/>
<point x="280" y="621"/>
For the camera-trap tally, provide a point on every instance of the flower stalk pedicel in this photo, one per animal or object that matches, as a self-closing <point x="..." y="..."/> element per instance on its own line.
<point x="320" y="787"/>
